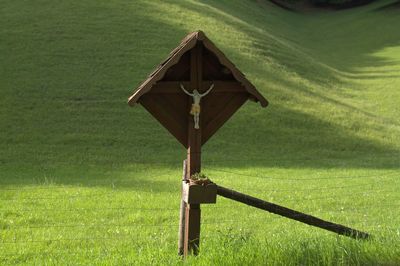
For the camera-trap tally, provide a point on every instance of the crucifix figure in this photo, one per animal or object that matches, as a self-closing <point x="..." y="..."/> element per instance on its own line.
<point x="195" y="110"/>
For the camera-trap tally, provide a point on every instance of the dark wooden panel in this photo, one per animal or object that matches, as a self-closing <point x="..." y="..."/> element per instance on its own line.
<point x="166" y="115"/>
<point x="213" y="69"/>
<point x="168" y="87"/>
<point x="179" y="104"/>
<point x="180" y="71"/>
<point x="223" y="115"/>
<point x="221" y="86"/>
<point x="192" y="229"/>
<point x="212" y="106"/>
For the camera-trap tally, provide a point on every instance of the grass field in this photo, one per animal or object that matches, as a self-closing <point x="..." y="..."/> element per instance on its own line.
<point x="86" y="180"/>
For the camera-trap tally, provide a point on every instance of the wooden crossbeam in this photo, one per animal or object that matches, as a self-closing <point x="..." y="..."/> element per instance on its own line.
<point x="220" y="86"/>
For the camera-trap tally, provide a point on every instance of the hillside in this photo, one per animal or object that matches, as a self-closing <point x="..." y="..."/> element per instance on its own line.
<point x="67" y="69"/>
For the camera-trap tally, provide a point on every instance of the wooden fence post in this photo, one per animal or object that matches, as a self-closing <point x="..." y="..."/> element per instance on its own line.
<point x="182" y="214"/>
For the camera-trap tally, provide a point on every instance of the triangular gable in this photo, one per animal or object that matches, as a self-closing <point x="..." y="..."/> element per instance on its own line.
<point x="187" y="44"/>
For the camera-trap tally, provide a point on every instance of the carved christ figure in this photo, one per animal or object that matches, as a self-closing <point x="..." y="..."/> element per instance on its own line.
<point x="195" y="110"/>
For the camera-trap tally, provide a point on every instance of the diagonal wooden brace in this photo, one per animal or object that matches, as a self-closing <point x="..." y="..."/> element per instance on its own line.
<point x="291" y="214"/>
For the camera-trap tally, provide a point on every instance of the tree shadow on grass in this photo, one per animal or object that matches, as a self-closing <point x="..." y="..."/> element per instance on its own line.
<point x="284" y="138"/>
<point x="157" y="178"/>
<point x="75" y="131"/>
<point x="314" y="52"/>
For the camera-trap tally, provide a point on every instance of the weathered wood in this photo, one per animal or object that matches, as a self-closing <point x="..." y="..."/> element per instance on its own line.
<point x="194" y="135"/>
<point x="181" y="233"/>
<point x="173" y="87"/>
<point x="180" y="71"/>
<point x="199" y="194"/>
<point x="224" y="114"/>
<point x="165" y="115"/>
<point x="192" y="227"/>
<point x="226" y="70"/>
<point x="213" y="69"/>
<point x="291" y="214"/>
<point x="188" y="43"/>
<point x="235" y="72"/>
<point x="196" y="64"/>
<point x="221" y="86"/>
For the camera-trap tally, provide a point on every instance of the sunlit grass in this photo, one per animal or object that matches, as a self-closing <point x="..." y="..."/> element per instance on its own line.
<point x="84" y="179"/>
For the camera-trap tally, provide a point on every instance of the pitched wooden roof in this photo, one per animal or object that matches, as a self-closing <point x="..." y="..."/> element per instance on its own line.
<point x="187" y="44"/>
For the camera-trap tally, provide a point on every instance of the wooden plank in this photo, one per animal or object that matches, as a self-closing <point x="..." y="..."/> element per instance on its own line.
<point x="192" y="226"/>
<point x="220" y="86"/>
<point x="165" y="117"/>
<point x="194" y="135"/>
<point x="212" y="106"/>
<point x="178" y="105"/>
<point x="169" y="87"/>
<point x="199" y="194"/>
<point x="175" y="106"/>
<point x="291" y="214"/>
<point x="181" y="232"/>
<point x="233" y="105"/>
<point x="192" y="229"/>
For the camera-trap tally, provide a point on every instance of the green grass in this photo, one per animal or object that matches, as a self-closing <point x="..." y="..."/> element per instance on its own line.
<point x="84" y="179"/>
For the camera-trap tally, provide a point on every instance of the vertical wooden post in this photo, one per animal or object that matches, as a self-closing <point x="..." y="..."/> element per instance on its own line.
<point x="193" y="213"/>
<point x="182" y="214"/>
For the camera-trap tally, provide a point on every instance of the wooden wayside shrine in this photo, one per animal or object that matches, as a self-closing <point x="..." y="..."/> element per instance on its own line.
<point x="192" y="93"/>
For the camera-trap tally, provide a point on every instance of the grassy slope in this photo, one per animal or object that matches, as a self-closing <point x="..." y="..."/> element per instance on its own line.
<point x="74" y="156"/>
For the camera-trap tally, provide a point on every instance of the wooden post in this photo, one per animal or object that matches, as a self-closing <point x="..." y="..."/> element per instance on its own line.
<point x="193" y="213"/>
<point x="182" y="214"/>
<point x="289" y="213"/>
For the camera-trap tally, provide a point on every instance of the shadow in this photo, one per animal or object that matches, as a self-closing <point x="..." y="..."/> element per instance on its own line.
<point x="144" y="177"/>
<point x="77" y="119"/>
<point x="392" y="6"/>
<point x="290" y="139"/>
<point x="353" y="48"/>
<point x="276" y="41"/>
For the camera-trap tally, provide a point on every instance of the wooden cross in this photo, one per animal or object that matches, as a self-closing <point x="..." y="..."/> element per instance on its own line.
<point x="196" y="64"/>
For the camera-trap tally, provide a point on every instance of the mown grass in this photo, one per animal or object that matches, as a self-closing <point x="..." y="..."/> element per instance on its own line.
<point x="85" y="179"/>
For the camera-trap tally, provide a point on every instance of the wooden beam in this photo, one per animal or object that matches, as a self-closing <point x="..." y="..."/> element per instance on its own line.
<point x="220" y="86"/>
<point x="192" y="229"/>
<point x="291" y="214"/>
<point x="182" y="213"/>
<point x="193" y="212"/>
<point x="194" y="135"/>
